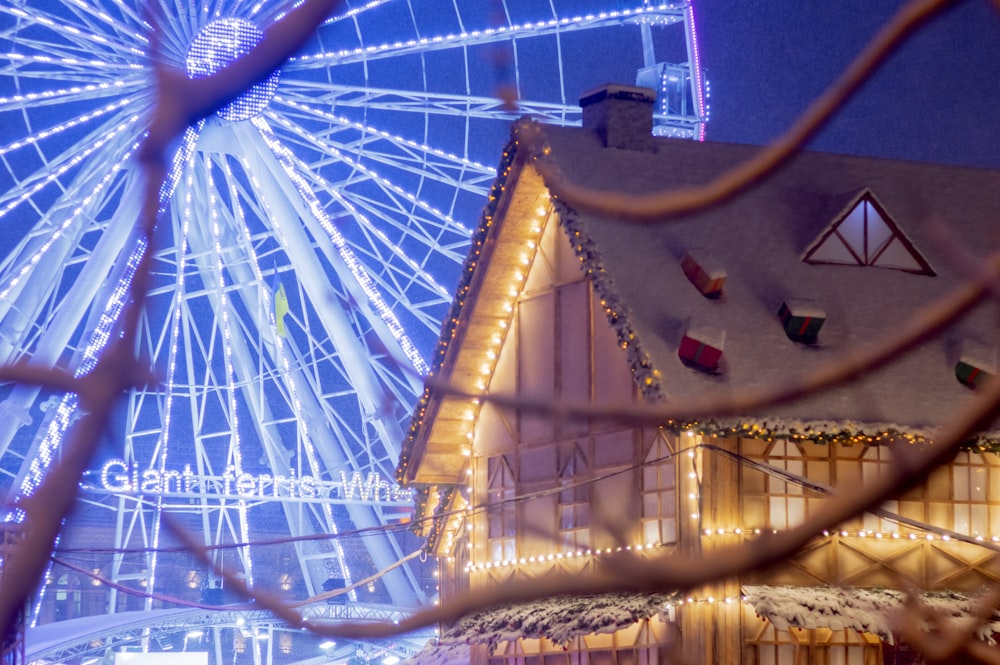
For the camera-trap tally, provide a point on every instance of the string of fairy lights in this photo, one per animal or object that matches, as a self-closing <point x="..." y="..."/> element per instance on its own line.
<point x="918" y="532"/>
<point x="451" y="321"/>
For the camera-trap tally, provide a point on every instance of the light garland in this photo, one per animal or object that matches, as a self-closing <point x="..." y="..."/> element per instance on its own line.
<point x="619" y="316"/>
<point x="449" y="331"/>
<point x="700" y="85"/>
<point x="862" y="533"/>
<point x="488" y="364"/>
<point x="561" y="556"/>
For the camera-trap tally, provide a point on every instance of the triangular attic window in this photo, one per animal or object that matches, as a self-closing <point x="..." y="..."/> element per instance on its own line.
<point x="867" y="236"/>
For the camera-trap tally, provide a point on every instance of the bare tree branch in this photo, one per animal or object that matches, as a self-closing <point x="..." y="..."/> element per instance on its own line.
<point x="678" y="573"/>
<point x="659" y="206"/>
<point x="851" y="365"/>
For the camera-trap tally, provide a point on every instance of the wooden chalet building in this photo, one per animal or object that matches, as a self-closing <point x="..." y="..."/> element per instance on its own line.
<point x="829" y="254"/>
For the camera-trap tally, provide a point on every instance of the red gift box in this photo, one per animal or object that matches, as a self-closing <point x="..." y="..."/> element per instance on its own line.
<point x="699" y="350"/>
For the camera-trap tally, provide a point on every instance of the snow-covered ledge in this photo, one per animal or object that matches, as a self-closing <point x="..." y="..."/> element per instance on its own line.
<point x="865" y="610"/>
<point x="557" y="619"/>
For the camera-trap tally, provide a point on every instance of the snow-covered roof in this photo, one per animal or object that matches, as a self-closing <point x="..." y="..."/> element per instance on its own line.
<point x="760" y="237"/>
<point x="866" y="610"/>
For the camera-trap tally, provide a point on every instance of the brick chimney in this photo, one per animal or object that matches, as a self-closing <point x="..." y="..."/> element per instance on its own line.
<point x="622" y="115"/>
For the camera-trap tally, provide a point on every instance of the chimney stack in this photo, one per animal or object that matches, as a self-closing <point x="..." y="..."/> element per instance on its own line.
<point x="622" y="115"/>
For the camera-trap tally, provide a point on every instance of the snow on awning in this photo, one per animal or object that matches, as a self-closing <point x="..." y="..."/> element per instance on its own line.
<point x="558" y="619"/>
<point x="865" y="610"/>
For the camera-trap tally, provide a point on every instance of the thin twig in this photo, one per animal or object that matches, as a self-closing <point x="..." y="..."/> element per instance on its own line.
<point x="926" y="324"/>
<point x="683" y="573"/>
<point x="658" y="206"/>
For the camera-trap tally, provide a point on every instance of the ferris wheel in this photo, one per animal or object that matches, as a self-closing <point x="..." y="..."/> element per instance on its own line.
<point x="310" y="236"/>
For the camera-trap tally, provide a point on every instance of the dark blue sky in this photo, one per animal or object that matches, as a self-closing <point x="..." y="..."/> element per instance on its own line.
<point x="938" y="99"/>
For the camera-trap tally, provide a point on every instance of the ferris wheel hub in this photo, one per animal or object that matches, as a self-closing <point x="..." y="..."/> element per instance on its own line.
<point x="220" y="43"/>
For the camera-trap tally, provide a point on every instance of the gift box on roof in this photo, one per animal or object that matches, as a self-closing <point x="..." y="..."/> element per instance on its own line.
<point x="976" y="363"/>
<point x="702" y="346"/>
<point x="704" y="271"/>
<point x="802" y="319"/>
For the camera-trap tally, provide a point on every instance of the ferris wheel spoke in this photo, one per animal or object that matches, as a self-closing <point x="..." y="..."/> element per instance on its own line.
<point x="428" y="103"/>
<point x="395" y="193"/>
<point x="664" y="14"/>
<point x="399" y="262"/>
<point x="55" y="131"/>
<point x="59" y="168"/>
<point x="53" y="241"/>
<point x="74" y="37"/>
<point x="66" y="97"/>
<point x="368" y="135"/>
<point x="407" y="164"/>
<point x="353" y="274"/>
<point x="68" y="68"/>
<point x="364" y="210"/>
<point x="363" y="275"/>
<point x="128" y="27"/>
<point x="412" y="294"/>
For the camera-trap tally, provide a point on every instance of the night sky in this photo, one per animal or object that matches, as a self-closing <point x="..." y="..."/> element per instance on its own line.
<point x="938" y="99"/>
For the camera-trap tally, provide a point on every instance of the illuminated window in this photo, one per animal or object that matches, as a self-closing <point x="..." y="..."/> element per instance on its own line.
<point x="874" y="462"/>
<point x="574" y="501"/>
<point x="974" y="477"/>
<point x="501" y="487"/>
<point x="867" y="236"/>
<point x="659" y="494"/>
<point x="786" y="500"/>
<point x="769" y="646"/>
<point x="67" y="597"/>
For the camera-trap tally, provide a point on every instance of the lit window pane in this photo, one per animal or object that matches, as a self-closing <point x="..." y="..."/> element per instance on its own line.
<point x="796" y="511"/>
<point x="669" y="530"/>
<point x="778" y="513"/>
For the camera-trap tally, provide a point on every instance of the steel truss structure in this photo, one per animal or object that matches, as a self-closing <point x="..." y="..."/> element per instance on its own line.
<point x="97" y="637"/>
<point x="311" y="234"/>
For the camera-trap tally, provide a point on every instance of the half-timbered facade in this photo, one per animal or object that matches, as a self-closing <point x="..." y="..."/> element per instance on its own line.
<point x="828" y="255"/>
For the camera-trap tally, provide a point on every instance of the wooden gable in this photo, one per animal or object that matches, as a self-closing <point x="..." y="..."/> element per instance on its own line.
<point x="441" y="449"/>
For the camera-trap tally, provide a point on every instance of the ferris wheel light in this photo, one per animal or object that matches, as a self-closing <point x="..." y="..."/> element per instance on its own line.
<point x="218" y="44"/>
